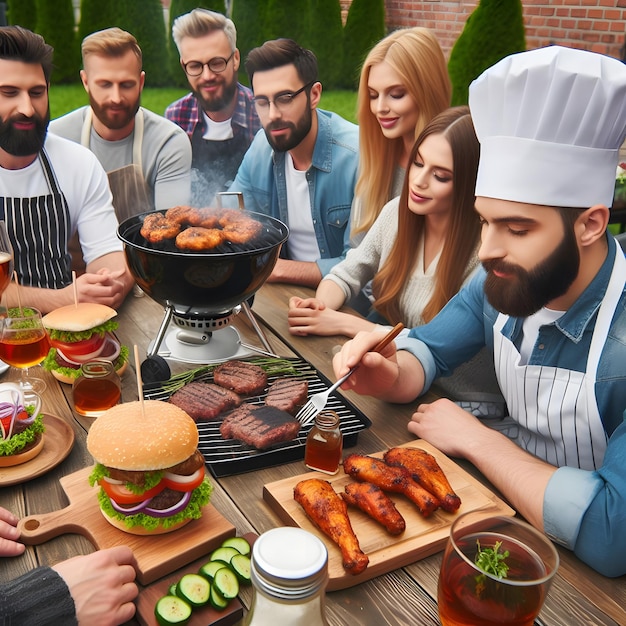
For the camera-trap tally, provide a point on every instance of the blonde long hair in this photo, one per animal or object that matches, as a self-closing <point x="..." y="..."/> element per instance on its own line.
<point x="455" y="124"/>
<point x="416" y="56"/>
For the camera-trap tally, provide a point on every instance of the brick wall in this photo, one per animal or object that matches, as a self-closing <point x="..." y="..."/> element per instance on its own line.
<point x="597" y="25"/>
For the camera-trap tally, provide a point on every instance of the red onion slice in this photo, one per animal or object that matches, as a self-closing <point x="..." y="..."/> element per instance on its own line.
<point x="137" y="508"/>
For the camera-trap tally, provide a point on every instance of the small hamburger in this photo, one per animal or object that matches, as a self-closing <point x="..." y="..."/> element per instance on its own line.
<point x="150" y="471"/>
<point x="78" y="333"/>
<point x="21" y="427"/>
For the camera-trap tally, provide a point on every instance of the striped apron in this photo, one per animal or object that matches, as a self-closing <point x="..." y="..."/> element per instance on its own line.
<point x="554" y="412"/>
<point x="39" y="229"/>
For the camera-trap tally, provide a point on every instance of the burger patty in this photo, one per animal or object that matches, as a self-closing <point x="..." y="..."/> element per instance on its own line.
<point x="204" y="401"/>
<point x="261" y="426"/>
<point x="186" y="468"/>
<point x="288" y="394"/>
<point x="241" y="377"/>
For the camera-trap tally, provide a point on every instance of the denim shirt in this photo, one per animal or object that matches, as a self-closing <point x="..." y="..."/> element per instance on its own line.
<point x="583" y="510"/>
<point x="331" y="179"/>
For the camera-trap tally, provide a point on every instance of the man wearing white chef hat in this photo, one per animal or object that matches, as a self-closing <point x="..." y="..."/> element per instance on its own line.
<point x="550" y="303"/>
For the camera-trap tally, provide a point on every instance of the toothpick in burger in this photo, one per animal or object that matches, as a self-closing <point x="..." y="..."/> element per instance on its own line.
<point x="78" y="333"/>
<point x="150" y="471"/>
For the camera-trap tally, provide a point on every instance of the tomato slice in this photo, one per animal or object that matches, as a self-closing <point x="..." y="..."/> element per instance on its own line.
<point x="122" y="495"/>
<point x="185" y="483"/>
<point x="80" y="350"/>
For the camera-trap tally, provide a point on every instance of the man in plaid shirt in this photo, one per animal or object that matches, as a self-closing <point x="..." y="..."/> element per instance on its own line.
<point x="219" y="114"/>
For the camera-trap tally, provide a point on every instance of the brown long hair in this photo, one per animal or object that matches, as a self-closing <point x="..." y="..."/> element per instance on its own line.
<point x="455" y="124"/>
<point x="417" y="57"/>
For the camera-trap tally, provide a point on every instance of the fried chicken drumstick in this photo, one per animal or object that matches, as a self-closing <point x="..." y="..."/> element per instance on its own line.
<point x="395" y="479"/>
<point x="330" y="514"/>
<point x="424" y="469"/>
<point x="377" y="504"/>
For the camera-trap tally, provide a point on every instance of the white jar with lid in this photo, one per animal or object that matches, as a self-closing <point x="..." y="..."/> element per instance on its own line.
<point x="289" y="574"/>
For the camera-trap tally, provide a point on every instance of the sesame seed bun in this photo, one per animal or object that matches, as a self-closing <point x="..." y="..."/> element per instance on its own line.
<point x="78" y="317"/>
<point x="127" y="438"/>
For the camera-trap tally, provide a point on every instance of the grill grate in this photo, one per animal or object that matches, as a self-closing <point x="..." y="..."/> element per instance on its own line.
<point x="225" y="457"/>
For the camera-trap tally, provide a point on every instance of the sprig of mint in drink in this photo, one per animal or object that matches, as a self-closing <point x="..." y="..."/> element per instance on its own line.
<point x="491" y="561"/>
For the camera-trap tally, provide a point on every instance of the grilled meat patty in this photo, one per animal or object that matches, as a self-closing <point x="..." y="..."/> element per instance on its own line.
<point x="241" y="377"/>
<point x="204" y="401"/>
<point x="288" y="394"/>
<point x="259" y="426"/>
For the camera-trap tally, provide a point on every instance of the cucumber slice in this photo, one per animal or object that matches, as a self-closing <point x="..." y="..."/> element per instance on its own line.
<point x="240" y="564"/>
<point x="172" y="590"/>
<point x="208" y="569"/>
<point x="225" y="581"/>
<point x="194" y="589"/>
<point x="172" y="611"/>
<point x="217" y="600"/>
<point x="224" y="554"/>
<point x="239" y="543"/>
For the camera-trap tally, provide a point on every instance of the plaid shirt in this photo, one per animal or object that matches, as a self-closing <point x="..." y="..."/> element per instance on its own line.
<point x="186" y="113"/>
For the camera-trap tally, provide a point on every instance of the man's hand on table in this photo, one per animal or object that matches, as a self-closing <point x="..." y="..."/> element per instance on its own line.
<point x="102" y="585"/>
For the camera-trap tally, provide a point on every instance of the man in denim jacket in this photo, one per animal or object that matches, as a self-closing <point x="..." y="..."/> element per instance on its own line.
<point x="550" y="305"/>
<point x="302" y="168"/>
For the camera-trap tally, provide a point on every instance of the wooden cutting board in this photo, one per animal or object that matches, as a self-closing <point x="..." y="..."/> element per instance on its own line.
<point x="201" y="616"/>
<point x="157" y="555"/>
<point x="422" y="537"/>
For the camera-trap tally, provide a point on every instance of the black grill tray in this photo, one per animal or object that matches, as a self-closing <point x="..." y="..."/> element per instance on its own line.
<point x="225" y="457"/>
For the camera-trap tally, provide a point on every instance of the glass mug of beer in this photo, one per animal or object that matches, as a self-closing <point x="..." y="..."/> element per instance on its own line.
<point x="495" y="570"/>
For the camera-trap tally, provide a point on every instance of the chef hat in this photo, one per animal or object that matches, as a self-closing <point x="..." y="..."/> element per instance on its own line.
<point x="550" y="124"/>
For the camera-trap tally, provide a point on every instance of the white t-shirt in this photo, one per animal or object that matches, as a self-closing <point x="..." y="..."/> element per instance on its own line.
<point x="302" y="241"/>
<point x="85" y="185"/>
<point x="217" y="131"/>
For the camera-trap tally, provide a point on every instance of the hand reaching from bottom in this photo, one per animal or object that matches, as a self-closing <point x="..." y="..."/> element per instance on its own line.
<point x="102" y="585"/>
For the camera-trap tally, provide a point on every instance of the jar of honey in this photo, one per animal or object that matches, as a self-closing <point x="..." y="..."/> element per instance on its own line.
<point x="324" y="444"/>
<point x="97" y="389"/>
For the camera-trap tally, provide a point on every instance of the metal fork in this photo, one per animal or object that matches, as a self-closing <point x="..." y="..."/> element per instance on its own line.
<point x="317" y="402"/>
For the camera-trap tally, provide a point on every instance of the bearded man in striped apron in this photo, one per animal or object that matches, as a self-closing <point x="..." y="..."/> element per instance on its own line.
<point x="51" y="188"/>
<point x="550" y="303"/>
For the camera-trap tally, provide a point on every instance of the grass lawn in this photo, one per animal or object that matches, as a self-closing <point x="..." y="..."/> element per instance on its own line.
<point x="65" y="98"/>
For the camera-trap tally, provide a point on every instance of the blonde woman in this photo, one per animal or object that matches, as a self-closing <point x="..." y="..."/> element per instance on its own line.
<point x="404" y="83"/>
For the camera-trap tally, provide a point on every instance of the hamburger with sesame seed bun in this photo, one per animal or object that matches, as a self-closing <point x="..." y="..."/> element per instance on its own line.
<point x="148" y="466"/>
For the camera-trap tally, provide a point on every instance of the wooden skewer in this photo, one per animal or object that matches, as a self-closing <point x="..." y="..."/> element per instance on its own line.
<point x="139" y="381"/>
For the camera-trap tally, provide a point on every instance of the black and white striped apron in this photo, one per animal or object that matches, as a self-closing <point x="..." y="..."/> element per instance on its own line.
<point x="554" y="411"/>
<point x="39" y="229"/>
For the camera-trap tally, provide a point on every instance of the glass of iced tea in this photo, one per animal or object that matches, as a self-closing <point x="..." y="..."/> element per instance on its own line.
<point x="24" y="343"/>
<point x="495" y="570"/>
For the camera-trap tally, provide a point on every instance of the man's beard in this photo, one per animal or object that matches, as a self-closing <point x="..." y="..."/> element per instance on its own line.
<point x="114" y="122"/>
<point x="24" y="142"/>
<point x="298" y="132"/>
<point x="526" y="292"/>
<point x="218" y="102"/>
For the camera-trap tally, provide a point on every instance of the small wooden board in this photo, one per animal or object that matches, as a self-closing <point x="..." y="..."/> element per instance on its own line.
<point x="422" y="537"/>
<point x="201" y="616"/>
<point x="156" y="555"/>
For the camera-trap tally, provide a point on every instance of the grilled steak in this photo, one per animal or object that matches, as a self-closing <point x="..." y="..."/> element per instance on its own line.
<point x="288" y="394"/>
<point x="204" y="401"/>
<point x="259" y="426"/>
<point x="243" y="378"/>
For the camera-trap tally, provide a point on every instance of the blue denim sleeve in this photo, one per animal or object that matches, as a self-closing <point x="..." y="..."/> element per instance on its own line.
<point x="455" y="334"/>
<point x="587" y="510"/>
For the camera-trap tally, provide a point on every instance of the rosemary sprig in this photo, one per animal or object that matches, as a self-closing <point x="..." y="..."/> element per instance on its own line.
<point x="271" y="366"/>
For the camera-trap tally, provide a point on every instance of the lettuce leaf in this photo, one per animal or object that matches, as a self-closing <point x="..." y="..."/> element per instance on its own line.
<point x="19" y="441"/>
<point x="199" y="498"/>
<point x="69" y="337"/>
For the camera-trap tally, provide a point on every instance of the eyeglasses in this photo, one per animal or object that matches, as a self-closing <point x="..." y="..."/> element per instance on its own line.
<point x="281" y="101"/>
<point x="216" y="65"/>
